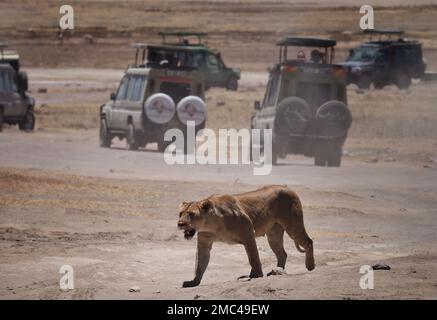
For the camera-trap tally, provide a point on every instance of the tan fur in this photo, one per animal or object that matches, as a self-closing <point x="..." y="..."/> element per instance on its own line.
<point x="240" y="218"/>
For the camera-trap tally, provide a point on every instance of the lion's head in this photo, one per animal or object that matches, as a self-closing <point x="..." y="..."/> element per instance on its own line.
<point x="192" y="216"/>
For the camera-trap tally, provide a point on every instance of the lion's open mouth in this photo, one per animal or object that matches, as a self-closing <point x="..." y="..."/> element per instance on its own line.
<point x="189" y="233"/>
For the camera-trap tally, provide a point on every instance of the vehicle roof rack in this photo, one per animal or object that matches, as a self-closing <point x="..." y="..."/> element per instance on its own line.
<point x="384" y="31"/>
<point x="306" y="42"/>
<point x="10" y="57"/>
<point x="182" y="35"/>
<point x="381" y="32"/>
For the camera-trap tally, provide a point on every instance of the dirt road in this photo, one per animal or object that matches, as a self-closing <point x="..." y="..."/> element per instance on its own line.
<point x="111" y="214"/>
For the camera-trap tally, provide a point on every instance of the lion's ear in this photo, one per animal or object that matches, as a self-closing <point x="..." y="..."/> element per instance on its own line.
<point x="206" y="206"/>
<point x="184" y="205"/>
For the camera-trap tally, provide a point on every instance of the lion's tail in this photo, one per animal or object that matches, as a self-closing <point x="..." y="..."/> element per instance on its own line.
<point x="298" y="247"/>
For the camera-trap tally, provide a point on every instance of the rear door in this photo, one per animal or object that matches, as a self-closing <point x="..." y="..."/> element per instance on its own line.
<point x="13" y="104"/>
<point x="266" y="115"/>
<point x="133" y="105"/>
<point x="115" y="119"/>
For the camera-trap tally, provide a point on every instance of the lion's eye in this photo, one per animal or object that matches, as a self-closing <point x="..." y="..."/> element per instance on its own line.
<point x="190" y="215"/>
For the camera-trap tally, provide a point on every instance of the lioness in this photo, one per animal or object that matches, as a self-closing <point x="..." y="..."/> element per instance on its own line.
<point x="242" y="217"/>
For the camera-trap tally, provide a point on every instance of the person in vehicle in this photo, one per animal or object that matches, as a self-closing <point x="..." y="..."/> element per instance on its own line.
<point x="317" y="56"/>
<point x="301" y="56"/>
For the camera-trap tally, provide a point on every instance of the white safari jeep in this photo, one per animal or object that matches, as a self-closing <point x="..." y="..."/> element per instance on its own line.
<point x="148" y="102"/>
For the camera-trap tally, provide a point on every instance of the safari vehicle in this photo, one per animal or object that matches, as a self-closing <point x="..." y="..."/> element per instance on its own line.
<point x="16" y="107"/>
<point x="194" y="55"/>
<point x="151" y="100"/>
<point x="305" y="103"/>
<point x="385" y="61"/>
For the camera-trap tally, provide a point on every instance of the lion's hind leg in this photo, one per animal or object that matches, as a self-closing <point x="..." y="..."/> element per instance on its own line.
<point x="275" y="237"/>
<point x="297" y="232"/>
<point x="292" y="222"/>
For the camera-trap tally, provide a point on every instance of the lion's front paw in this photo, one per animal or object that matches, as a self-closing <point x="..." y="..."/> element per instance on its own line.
<point x="252" y="275"/>
<point x="189" y="284"/>
<point x="256" y="274"/>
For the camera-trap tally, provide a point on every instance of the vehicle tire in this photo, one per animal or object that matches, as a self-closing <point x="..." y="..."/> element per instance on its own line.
<point x="378" y="84"/>
<point x="104" y="134"/>
<point x="1" y="119"/>
<point x="334" y="157"/>
<point x="403" y="81"/>
<point x="364" y="81"/>
<point x="274" y="157"/>
<point x="159" y="108"/>
<point x="232" y="84"/>
<point x="292" y="116"/>
<point x="162" y="145"/>
<point x="28" y="123"/>
<point x="131" y="140"/>
<point x="333" y="119"/>
<point x="192" y="108"/>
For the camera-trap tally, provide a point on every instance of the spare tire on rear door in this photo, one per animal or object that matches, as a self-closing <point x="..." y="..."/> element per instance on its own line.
<point x="159" y="108"/>
<point x="333" y="119"/>
<point x="192" y="108"/>
<point x="292" y="116"/>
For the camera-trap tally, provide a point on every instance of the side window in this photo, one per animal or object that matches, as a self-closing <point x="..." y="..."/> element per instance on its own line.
<point x="212" y="63"/>
<point x="13" y="84"/>
<point x="2" y="81"/>
<point x="408" y="54"/>
<point x="273" y="91"/>
<point x="382" y="56"/>
<point x="269" y="85"/>
<point x="122" y="89"/>
<point x="6" y="83"/>
<point x="199" y="59"/>
<point x="131" y="88"/>
<point x="135" y="88"/>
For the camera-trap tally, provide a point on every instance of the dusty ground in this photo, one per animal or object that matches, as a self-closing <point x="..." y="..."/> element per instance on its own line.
<point x="112" y="214"/>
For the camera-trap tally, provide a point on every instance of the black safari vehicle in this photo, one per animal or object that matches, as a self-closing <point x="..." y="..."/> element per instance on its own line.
<point x="385" y="61"/>
<point x="305" y="102"/>
<point x="16" y="107"/>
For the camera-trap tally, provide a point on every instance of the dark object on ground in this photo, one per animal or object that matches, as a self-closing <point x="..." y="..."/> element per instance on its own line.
<point x="381" y="266"/>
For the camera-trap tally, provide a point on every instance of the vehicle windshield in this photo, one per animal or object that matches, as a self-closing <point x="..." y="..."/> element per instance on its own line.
<point x="363" y="54"/>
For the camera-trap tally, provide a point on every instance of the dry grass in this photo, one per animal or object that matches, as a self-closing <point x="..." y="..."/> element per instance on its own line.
<point x="245" y="31"/>
<point x="78" y="116"/>
<point x="393" y="113"/>
<point x="387" y="114"/>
